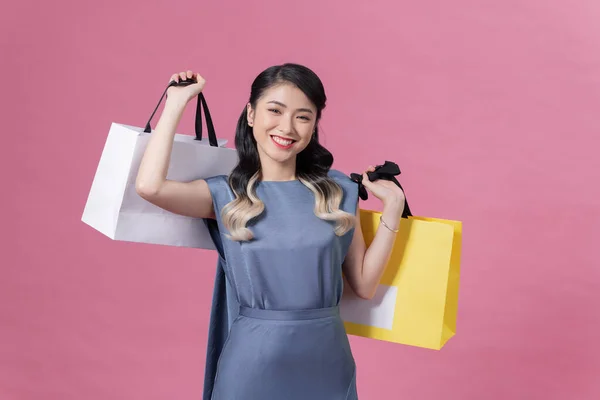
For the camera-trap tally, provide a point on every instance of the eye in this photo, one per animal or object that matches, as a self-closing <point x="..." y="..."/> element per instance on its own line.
<point x="274" y="110"/>
<point x="305" y="118"/>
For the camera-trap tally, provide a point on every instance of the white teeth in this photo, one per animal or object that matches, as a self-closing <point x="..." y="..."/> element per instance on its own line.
<point x="281" y="141"/>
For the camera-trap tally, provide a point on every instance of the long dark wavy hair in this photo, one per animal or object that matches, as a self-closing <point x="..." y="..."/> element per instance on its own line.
<point x="312" y="163"/>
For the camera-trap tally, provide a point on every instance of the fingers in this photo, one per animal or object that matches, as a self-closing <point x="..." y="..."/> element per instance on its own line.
<point x="181" y="76"/>
<point x="365" y="181"/>
<point x="370" y="168"/>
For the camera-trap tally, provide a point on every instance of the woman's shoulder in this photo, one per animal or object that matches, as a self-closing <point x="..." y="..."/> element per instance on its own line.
<point x="218" y="182"/>
<point x="217" y="179"/>
<point x="344" y="181"/>
<point x="349" y="188"/>
<point x="340" y="177"/>
<point x="219" y="188"/>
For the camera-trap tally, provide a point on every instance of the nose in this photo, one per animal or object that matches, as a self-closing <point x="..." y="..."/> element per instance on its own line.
<point x="285" y="126"/>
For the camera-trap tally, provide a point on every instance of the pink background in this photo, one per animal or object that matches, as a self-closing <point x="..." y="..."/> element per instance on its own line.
<point x="489" y="107"/>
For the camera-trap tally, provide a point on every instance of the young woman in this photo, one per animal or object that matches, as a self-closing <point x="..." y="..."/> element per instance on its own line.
<point x="287" y="227"/>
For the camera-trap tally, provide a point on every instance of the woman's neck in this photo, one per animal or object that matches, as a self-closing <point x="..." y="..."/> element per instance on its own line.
<point x="272" y="170"/>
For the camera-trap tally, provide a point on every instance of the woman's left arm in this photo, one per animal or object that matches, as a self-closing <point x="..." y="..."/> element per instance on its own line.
<point x="363" y="267"/>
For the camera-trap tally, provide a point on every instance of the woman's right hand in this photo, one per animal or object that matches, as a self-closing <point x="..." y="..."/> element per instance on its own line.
<point x="184" y="94"/>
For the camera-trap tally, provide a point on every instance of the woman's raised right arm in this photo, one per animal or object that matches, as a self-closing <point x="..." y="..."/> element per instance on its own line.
<point x="191" y="199"/>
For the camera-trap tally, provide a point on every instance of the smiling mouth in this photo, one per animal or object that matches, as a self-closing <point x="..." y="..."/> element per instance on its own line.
<point x="281" y="142"/>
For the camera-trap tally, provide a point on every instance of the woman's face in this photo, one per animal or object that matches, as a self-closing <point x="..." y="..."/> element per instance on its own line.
<point x="283" y="122"/>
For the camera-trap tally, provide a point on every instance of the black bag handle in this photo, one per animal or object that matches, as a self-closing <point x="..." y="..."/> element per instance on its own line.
<point x="212" y="137"/>
<point x="388" y="171"/>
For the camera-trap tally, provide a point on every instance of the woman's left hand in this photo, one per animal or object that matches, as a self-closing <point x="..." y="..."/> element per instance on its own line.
<point x="386" y="191"/>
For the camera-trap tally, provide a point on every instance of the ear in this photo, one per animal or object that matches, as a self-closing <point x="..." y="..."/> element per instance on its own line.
<point x="250" y="114"/>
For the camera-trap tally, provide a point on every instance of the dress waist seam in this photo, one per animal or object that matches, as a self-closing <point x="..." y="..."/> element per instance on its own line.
<point x="289" y="315"/>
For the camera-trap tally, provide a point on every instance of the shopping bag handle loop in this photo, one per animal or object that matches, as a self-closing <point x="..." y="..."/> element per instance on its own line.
<point x="387" y="171"/>
<point x="212" y="137"/>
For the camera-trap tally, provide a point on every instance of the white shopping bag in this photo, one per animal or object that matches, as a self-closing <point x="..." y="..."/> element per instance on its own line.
<point x="115" y="209"/>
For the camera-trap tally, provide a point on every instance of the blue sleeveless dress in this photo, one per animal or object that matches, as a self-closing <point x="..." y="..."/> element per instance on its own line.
<point x="275" y="329"/>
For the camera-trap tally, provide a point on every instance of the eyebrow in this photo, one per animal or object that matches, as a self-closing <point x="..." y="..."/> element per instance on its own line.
<point x="284" y="106"/>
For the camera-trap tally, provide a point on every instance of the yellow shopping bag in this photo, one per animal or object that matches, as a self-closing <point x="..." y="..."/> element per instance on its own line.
<point x="417" y="299"/>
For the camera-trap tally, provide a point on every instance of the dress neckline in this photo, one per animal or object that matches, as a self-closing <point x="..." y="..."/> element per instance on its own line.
<point x="293" y="180"/>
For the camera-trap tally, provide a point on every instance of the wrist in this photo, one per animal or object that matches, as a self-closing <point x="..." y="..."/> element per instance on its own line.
<point x="393" y="207"/>
<point x="392" y="227"/>
<point x="175" y="103"/>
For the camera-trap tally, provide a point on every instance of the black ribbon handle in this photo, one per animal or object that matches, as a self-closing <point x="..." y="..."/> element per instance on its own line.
<point x="388" y="171"/>
<point x="212" y="137"/>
